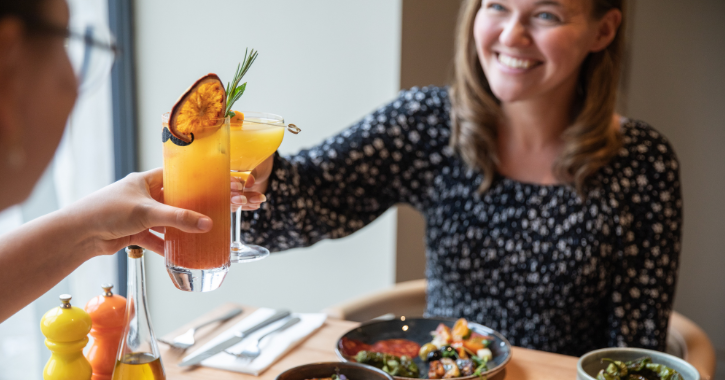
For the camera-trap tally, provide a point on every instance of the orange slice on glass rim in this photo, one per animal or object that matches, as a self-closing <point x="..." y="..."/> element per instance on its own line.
<point x="238" y="117"/>
<point x="200" y="108"/>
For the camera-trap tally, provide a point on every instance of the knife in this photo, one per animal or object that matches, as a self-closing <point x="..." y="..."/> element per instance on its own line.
<point x="198" y="357"/>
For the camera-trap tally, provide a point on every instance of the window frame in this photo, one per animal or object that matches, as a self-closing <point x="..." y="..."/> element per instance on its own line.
<point x="123" y="98"/>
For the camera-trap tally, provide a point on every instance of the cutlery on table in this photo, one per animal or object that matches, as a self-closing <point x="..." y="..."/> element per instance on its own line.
<point x="254" y="351"/>
<point x="199" y="356"/>
<point x="186" y="339"/>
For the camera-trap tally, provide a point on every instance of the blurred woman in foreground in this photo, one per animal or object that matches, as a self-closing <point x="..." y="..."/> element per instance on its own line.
<point x="37" y="91"/>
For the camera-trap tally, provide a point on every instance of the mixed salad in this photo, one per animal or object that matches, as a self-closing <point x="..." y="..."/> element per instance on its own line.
<point x="456" y="352"/>
<point x="639" y="369"/>
<point x="451" y="353"/>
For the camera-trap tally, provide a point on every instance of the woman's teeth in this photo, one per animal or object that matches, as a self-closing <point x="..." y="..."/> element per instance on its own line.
<point x="515" y="63"/>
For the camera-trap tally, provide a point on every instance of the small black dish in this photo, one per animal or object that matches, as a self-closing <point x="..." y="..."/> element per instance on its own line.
<point x="419" y="330"/>
<point x="353" y="371"/>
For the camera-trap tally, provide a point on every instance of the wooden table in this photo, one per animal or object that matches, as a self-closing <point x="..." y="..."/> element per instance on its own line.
<point x="320" y="347"/>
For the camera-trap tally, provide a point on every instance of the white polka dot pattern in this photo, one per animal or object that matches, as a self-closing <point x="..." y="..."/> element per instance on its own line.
<point x="547" y="269"/>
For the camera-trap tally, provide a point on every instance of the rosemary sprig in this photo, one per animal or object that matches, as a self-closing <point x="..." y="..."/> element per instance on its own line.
<point x="234" y="89"/>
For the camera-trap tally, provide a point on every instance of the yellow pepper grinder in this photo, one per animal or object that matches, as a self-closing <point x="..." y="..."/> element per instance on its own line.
<point x="66" y="331"/>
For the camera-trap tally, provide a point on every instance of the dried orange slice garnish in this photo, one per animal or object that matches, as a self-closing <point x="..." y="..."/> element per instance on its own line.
<point x="201" y="107"/>
<point x="238" y="117"/>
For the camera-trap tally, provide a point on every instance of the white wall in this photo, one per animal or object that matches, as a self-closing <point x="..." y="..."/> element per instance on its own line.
<point x="323" y="64"/>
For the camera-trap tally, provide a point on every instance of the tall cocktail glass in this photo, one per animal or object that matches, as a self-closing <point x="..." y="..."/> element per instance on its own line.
<point x="252" y="142"/>
<point x="196" y="177"/>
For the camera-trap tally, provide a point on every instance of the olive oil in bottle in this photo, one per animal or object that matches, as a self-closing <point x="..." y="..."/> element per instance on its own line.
<point x="138" y="355"/>
<point x="140" y="366"/>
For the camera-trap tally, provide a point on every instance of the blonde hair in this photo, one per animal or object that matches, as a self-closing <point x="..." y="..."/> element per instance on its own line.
<point x="590" y="142"/>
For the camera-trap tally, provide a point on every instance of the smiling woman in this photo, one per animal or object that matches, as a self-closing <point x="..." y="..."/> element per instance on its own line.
<point x="565" y="53"/>
<point x="549" y="217"/>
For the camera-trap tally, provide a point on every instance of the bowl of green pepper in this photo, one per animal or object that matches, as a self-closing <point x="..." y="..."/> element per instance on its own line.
<point x="619" y="363"/>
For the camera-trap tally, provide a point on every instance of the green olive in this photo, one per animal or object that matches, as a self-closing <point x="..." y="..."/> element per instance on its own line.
<point x="427" y="348"/>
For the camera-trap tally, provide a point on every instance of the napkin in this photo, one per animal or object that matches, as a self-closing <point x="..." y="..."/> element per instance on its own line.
<point x="272" y="347"/>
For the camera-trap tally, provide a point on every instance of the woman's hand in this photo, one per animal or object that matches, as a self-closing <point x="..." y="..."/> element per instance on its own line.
<point x="122" y="214"/>
<point x="40" y="253"/>
<point x="250" y="195"/>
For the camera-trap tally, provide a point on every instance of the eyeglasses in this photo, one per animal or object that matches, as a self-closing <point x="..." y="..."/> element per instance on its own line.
<point x="91" y="52"/>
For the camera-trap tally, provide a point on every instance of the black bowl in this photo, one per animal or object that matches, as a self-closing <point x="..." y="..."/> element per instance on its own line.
<point x="353" y="371"/>
<point x="418" y="330"/>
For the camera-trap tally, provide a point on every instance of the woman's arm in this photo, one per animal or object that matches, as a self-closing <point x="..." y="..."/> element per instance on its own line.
<point x="648" y="256"/>
<point x="42" y="252"/>
<point x="346" y="182"/>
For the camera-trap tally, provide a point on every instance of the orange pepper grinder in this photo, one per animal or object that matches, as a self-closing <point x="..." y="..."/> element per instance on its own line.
<point x="108" y="313"/>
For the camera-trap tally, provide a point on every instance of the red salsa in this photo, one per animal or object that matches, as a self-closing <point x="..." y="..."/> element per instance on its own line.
<point x="397" y="347"/>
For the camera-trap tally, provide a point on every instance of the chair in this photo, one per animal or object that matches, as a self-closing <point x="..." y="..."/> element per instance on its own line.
<point x="685" y="338"/>
<point x="405" y="298"/>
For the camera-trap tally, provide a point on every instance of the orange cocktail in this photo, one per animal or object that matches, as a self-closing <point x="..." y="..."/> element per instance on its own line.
<point x="196" y="177"/>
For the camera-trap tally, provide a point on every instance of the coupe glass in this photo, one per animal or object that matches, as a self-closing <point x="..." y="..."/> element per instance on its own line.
<point x="196" y="177"/>
<point x="252" y="142"/>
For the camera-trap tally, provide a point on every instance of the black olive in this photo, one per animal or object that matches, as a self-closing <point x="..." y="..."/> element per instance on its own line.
<point x="434" y="355"/>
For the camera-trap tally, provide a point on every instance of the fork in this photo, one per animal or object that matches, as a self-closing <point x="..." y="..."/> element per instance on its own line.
<point x="187" y="340"/>
<point x="254" y="351"/>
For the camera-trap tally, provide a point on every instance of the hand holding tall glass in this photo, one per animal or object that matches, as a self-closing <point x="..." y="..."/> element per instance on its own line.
<point x="254" y="137"/>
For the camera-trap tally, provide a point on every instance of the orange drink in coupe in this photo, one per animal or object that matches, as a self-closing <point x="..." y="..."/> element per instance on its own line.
<point x="254" y="137"/>
<point x="196" y="177"/>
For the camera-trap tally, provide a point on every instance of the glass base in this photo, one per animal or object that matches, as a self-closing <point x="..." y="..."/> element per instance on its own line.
<point x="197" y="280"/>
<point x="245" y="253"/>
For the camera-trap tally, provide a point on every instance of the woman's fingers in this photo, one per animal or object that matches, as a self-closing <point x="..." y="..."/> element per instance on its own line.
<point x="237" y="184"/>
<point x="149" y="241"/>
<point x="184" y="220"/>
<point x="248" y="198"/>
<point x="155" y="181"/>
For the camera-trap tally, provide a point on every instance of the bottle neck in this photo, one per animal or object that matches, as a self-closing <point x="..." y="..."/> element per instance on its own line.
<point x="138" y="334"/>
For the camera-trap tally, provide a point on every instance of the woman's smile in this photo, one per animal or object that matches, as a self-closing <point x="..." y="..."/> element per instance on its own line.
<point x="513" y="64"/>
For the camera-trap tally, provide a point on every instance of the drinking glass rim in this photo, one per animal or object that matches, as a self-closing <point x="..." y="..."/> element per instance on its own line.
<point x="166" y="115"/>
<point x="266" y="118"/>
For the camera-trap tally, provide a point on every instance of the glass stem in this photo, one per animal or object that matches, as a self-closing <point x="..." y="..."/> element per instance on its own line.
<point x="239" y="225"/>
<point x="235" y="229"/>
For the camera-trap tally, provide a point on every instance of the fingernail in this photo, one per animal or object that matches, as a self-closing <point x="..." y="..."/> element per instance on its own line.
<point x="237" y="186"/>
<point x="204" y="224"/>
<point x="258" y="198"/>
<point x="239" y="199"/>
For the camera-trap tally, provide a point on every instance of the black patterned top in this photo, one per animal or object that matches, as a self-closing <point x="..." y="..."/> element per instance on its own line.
<point x="535" y="262"/>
